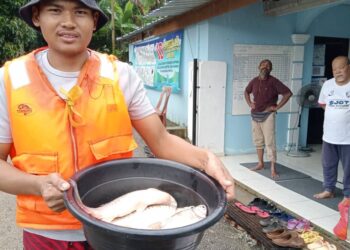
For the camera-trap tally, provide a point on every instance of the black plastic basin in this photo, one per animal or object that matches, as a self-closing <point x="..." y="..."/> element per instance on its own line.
<point x="104" y="182"/>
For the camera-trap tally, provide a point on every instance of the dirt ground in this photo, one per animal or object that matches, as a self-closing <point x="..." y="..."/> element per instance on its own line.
<point x="222" y="236"/>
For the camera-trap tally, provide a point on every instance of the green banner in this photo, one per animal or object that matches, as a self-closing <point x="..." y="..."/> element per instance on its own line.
<point x="158" y="61"/>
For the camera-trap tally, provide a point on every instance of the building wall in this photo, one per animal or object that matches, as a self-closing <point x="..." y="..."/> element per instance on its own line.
<point x="214" y="39"/>
<point x="249" y="26"/>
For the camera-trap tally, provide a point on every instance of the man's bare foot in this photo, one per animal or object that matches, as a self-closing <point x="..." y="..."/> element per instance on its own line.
<point x="257" y="167"/>
<point x="274" y="175"/>
<point x="324" y="195"/>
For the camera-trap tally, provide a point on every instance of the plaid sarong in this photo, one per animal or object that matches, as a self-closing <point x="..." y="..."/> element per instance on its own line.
<point x="260" y="116"/>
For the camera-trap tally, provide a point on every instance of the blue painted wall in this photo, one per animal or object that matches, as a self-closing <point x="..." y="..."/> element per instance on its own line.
<point x="214" y="39"/>
<point x="195" y="45"/>
<point x="246" y="26"/>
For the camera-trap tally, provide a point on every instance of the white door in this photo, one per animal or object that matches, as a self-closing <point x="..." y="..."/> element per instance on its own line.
<point x="210" y="129"/>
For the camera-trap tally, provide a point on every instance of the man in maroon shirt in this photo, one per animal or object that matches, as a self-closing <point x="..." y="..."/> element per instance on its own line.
<point x="265" y="90"/>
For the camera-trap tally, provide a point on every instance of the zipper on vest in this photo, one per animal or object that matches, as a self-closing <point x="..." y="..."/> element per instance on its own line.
<point x="75" y="153"/>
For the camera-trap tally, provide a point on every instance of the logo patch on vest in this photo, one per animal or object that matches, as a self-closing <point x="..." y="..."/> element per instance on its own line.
<point x="24" y="109"/>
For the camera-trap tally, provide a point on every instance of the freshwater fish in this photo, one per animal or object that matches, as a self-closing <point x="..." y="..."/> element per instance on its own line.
<point x="137" y="201"/>
<point x="150" y="218"/>
<point x="184" y="216"/>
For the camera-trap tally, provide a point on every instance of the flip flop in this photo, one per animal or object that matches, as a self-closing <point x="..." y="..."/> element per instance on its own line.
<point x="283" y="216"/>
<point x="258" y="202"/>
<point x="274" y="226"/>
<point x="263" y="214"/>
<point x="311" y="237"/>
<point x="303" y="225"/>
<point x="316" y="244"/>
<point x="292" y="223"/>
<point x="260" y="213"/>
<point x="321" y="244"/>
<point x="245" y="208"/>
<point x="331" y="246"/>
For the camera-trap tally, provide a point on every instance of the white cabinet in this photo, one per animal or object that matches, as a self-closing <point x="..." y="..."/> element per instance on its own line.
<point x="210" y="118"/>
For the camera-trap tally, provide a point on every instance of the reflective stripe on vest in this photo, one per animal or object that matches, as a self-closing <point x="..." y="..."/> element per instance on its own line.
<point x="47" y="135"/>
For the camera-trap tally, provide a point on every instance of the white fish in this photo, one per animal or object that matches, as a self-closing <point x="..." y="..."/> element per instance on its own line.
<point x="150" y="218"/>
<point x="127" y="203"/>
<point x="185" y="216"/>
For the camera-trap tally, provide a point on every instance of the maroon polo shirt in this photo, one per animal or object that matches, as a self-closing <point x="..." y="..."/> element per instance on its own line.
<point x="265" y="92"/>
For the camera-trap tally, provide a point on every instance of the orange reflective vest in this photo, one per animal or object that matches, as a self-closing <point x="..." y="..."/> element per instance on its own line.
<point x="52" y="135"/>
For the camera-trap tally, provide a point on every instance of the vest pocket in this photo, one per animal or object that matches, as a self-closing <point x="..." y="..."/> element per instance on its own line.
<point x="112" y="145"/>
<point x="40" y="164"/>
<point x="34" y="204"/>
<point x="37" y="164"/>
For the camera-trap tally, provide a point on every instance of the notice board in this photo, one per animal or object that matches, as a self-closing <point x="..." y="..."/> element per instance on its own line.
<point x="246" y="59"/>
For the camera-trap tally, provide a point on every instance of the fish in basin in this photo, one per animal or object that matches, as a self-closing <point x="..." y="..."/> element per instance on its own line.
<point x="150" y="218"/>
<point x="162" y="217"/>
<point x="145" y="209"/>
<point x="128" y="203"/>
<point x="184" y="216"/>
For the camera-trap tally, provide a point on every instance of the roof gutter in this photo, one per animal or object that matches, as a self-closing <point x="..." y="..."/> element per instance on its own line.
<point x="172" y="23"/>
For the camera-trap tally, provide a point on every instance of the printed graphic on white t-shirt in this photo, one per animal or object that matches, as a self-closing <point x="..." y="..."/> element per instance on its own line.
<point x="336" y="127"/>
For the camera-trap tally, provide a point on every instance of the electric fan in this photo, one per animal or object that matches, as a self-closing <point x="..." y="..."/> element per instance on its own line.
<point x="307" y="98"/>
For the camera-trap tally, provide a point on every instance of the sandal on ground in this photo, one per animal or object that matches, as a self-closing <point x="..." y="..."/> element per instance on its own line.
<point x="260" y="213"/>
<point x="263" y="205"/>
<point x="275" y="211"/>
<point x="273" y="227"/>
<point x="258" y="202"/>
<point x="252" y="210"/>
<point x="292" y="223"/>
<point x="321" y="245"/>
<point x="303" y="225"/>
<point x="307" y="234"/>
<point x="315" y="245"/>
<point x="271" y="208"/>
<point x="330" y="246"/>
<point x="283" y="216"/>
<point x="268" y="221"/>
<point x="311" y="236"/>
<point x="280" y="233"/>
<point x="291" y="239"/>
<point x="244" y="208"/>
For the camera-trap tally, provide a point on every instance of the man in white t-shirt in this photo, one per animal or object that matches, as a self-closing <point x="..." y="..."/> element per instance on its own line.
<point x="335" y="99"/>
<point x="65" y="107"/>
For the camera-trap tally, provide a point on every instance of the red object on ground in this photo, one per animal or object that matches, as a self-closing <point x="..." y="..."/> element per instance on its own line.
<point x="252" y="210"/>
<point x="261" y="213"/>
<point x="245" y="208"/>
<point x="340" y="230"/>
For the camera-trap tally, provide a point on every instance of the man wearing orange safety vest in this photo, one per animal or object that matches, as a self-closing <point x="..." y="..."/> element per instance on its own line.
<point x="65" y="107"/>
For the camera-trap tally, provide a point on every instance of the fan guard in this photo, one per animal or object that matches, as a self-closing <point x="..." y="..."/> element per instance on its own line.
<point x="308" y="95"/>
